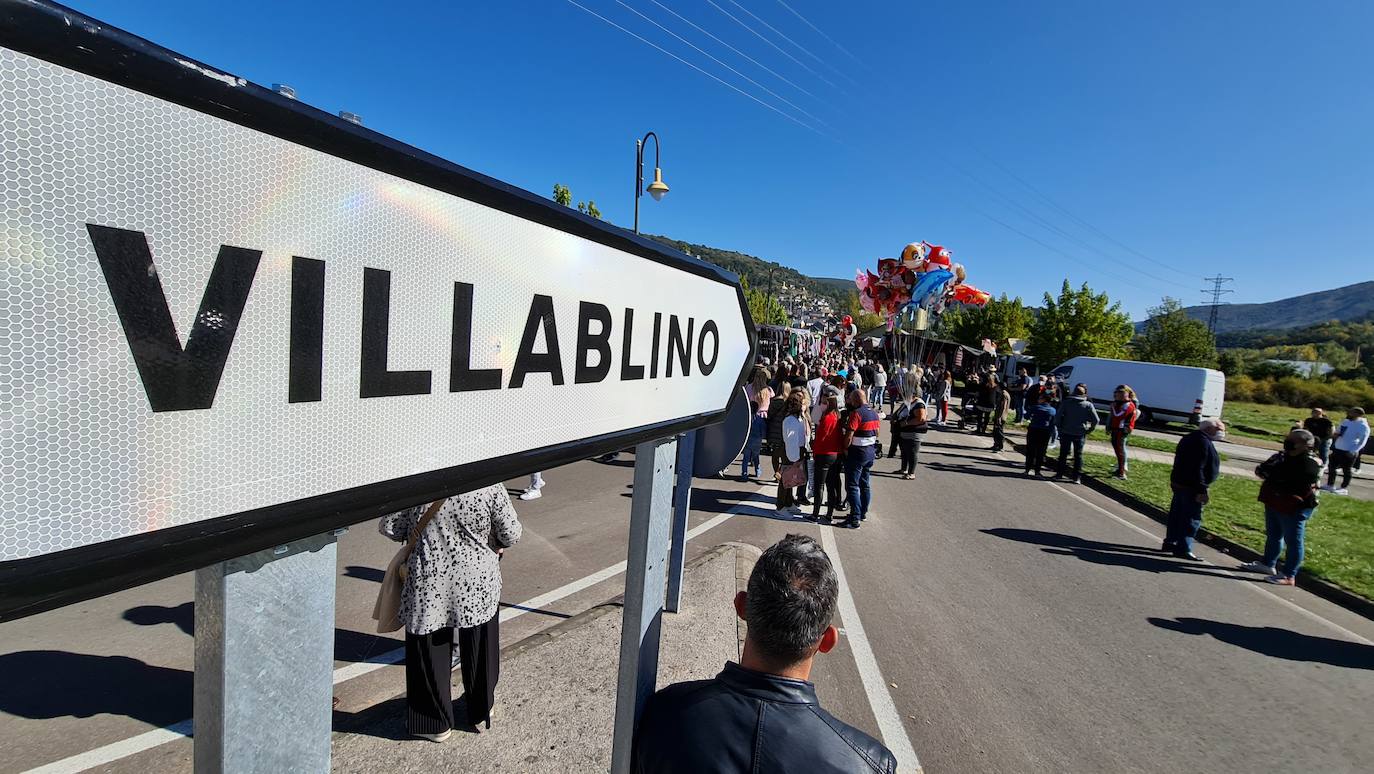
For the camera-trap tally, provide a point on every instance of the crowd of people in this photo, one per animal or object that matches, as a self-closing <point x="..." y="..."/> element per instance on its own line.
<point x="823" y="423"/>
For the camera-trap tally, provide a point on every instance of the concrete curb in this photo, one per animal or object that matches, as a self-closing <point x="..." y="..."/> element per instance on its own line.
<point x="745" y="556"/>
<point x="1324" y="589"/>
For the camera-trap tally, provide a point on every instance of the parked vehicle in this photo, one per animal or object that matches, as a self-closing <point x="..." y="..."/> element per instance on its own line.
<point x="1167" y="393"/>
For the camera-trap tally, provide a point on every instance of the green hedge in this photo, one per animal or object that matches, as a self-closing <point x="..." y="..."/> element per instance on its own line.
<point x="1302" y="393"/>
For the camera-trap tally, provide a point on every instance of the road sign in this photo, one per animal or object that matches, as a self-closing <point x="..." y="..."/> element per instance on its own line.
<point x="230" y="320"/>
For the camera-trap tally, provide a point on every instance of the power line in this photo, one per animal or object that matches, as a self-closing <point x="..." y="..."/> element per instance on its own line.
<point x="799" y="46"/>
<point x="1216" y="292"/>
<point x="756" y="62"/>
<point x="782" y="51"/>
<point x="723" y="64"/>
<point x="1052" y="227"/>
<point x="818" y="30"/>
<point x="713" y="77"/>
<point x="1079" y="220"/>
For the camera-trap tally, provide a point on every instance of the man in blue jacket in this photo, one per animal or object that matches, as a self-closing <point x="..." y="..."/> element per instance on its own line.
<point x="1196" y="465"/>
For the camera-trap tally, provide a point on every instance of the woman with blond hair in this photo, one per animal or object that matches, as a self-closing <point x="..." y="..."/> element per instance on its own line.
<point x="1121" y="423"/>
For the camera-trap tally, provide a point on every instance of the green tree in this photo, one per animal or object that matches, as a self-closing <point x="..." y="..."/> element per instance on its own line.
<point x="562" y="195"/>
<point x="1079" y="322"/>
<point x="1171" y="336"/>
<point x="765" y="309"/>
<point x="1000" y="319"/>
<point x="589" y="208"/>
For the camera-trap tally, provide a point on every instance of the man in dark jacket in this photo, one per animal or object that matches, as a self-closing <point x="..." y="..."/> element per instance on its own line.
<point x="1076" y="419"/>
<point x="762" y="715"/>
<point x="1196" y="465"/>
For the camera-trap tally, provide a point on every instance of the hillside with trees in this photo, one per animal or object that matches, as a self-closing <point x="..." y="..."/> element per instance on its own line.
<point x="1352" y="302"/>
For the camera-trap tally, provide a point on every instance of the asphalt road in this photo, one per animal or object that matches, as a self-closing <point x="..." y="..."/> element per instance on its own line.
<point x="1020" y="626"/>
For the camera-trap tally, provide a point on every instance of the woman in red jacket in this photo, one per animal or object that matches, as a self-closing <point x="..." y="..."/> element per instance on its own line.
<point x="1122" y="422"/>
<point x="826" y="447"/>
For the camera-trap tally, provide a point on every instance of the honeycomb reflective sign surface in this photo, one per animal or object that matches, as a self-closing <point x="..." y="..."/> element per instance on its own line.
<point x="198" y="319"/>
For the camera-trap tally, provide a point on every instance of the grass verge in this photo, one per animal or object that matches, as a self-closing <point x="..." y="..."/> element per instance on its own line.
<point x="1261" y="420"/>
<point x="1143" y="442"/>
<point x="1340" y="535"/>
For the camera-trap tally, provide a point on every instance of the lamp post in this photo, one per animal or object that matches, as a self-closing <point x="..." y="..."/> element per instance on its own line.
<point x="658" y="188"/>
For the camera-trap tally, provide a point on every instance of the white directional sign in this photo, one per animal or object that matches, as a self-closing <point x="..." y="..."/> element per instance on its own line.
<point x="216" y="303"/>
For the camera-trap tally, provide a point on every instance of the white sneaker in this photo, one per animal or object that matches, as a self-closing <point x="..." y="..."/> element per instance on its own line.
<point x="1327" y="488"/>
<point x="1341" y="491"/>
<point x="531" y="494"/>
<point x="439" y="737"/>
<point x="1257" y="566"/>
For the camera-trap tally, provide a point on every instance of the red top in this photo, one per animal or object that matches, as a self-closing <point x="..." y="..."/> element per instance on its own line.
<point x="829" y="439"/>
<point x="1123" y="417"/>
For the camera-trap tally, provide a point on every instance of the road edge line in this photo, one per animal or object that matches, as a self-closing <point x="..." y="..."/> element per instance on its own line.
<point x="879" y="698"/>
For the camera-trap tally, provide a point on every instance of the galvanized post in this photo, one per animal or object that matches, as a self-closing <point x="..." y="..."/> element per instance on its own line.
<point x="645" y="580"/>
<point x="265" y="660"/>
<point x="682" y="504"/>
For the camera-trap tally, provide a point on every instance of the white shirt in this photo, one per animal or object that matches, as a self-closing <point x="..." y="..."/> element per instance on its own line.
<point x="796" y="435"/>
<point x="1354" y="434"/>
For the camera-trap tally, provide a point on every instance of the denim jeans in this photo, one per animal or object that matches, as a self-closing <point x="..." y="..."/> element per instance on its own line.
<point x="1282" y="529"/>
<point x="858" y="464"/>
<point x="1018" y="404"/>
<point x="1185" y="518"/>
<point x="1074" y="443"/>
<point x="751" y="457"/>
<point x="1119" y="439"/>
<point x="1339" y="461"/>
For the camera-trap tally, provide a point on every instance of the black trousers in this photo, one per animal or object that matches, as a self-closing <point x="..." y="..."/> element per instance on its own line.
<point x="825" y="483"/>
<point x="1037" y="440"/>
<point x="1339" y="461"/>
<point x="429" y="675"/>
<point x="911" y="449"/>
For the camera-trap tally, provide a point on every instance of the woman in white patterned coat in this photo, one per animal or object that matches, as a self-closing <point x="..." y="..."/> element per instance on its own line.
<point x="452" y="596"/>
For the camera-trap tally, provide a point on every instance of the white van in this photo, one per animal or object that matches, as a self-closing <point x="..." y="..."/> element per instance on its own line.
<point x="1167" y="393"/>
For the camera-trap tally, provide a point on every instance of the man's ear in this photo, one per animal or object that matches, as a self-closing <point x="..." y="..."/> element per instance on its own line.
<point x="829" y="639"/>
<point x="741" y="600"/>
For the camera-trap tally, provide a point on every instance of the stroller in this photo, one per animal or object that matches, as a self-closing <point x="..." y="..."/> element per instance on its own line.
<point x="970" y="414"/>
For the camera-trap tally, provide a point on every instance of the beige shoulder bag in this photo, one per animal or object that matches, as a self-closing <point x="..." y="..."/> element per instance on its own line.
<point x="387" y="610"/>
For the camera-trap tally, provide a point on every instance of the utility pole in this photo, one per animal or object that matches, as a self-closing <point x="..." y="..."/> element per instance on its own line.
<point x="1216" y="292"/>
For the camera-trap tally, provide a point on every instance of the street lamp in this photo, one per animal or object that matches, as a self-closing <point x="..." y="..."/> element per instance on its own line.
<point x="658" y="188"/>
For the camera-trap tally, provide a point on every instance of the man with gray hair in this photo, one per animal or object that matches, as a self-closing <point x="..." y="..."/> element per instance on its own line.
<point x="1196" y="466"/>
<point x="762" y="713"/>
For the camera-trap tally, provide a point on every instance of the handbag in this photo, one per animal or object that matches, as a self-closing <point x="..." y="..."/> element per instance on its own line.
<point x="387" y="610"/>
<point x="794" y="474"/>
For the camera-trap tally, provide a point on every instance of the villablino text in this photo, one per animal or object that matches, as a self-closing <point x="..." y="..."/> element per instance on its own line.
<point x="178" y="378"/>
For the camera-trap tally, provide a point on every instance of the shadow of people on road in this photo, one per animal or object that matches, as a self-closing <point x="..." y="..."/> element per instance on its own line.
<point x="999" y="472"/>
<point x="1277" y="643"/>
<point x="364" y="573"/>
<point x="348" y="645"/>
<point x="1115" y="554"/>
<point x="46" y="684"/>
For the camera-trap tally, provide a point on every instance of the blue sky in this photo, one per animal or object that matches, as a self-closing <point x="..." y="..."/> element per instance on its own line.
<point x="1136" y="147"/>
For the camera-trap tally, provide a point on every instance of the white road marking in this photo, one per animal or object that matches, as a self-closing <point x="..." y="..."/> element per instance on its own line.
<point x="1289" y="603"/>
<point x="884" y="709"/>
<point x="150" y="739"/>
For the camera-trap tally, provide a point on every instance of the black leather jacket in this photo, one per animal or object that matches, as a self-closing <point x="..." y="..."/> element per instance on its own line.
<point x="747" y="721"/>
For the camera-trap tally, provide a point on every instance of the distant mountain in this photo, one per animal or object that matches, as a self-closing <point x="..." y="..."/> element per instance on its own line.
<point x="759" y="272"/>
<point x="1351" y="302"/>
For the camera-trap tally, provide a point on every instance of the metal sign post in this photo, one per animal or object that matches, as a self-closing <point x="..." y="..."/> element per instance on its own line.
<point x="646" y="575"/>
<point x="682" y="505"/>
<point x="265" y="659"/>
